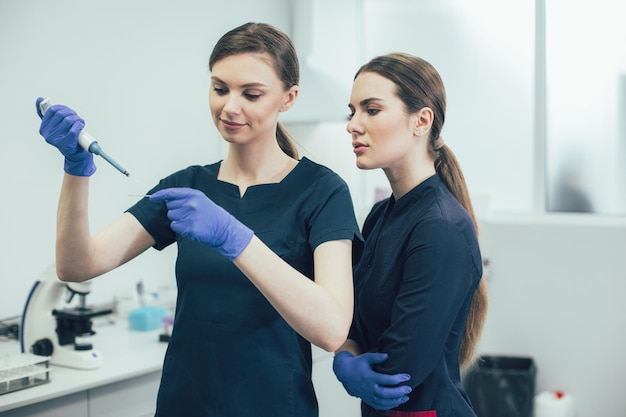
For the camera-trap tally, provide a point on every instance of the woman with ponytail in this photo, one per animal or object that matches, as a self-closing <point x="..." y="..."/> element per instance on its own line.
<point x="420" y="302"/>
<point x="264" y="242"/>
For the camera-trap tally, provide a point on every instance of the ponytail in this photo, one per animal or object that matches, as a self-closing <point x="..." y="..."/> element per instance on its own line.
<point x="286" y="142"/>
<point x="449" y="170"/>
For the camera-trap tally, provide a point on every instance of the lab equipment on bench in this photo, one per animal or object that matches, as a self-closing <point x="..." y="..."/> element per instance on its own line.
<point x="23" y="370"/>
<point x="86" y="141"/>
<point x="63" y="334"/>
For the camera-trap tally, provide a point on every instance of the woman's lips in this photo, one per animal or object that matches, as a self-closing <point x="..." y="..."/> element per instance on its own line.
<point x="232" y="125"/>
<point x="358" y="147"/>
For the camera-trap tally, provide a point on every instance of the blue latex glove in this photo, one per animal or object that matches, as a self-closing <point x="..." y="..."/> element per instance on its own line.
<point x="358" y="377"/>
<point x="194" y="216"/>
<point x="60" y="126"/>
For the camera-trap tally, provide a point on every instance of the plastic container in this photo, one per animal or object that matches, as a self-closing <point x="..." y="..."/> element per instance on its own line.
<point x="502" y="386"/>
<point x="23" y="370"/>
<point x="147" y="318"/>
<point x="554" y="404"/>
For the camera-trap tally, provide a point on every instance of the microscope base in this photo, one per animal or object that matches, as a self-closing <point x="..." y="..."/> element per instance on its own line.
<point x="67" y="357"/>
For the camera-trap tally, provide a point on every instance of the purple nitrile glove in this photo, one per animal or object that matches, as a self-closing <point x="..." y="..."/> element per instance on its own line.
<point x="358" y="377"/>
<point x="194" y="216"/>
<point x="60" y="127"/>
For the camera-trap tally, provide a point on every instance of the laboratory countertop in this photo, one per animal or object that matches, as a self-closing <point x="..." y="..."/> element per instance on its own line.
<point x="125" y="354"/>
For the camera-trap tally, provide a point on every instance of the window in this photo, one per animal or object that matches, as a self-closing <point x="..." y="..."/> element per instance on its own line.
<point x="585" y="106"/>
<point x="484" y="51"/>
<point x="536" y="95"/>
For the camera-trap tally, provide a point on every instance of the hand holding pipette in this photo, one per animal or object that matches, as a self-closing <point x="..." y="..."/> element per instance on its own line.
<point x="64" y="129"/>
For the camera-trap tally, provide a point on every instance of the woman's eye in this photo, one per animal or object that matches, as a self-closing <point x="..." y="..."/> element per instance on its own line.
<point x="253" y="97"/>
<point x="373" y="112"/>
<point x="220" y="91"/>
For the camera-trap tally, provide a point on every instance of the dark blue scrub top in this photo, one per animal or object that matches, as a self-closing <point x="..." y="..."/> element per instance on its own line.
<point x="231" y="353"/>
<point x="414" y="283"/>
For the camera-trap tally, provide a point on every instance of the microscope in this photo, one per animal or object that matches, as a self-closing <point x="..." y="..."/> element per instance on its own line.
<point x="63" y="334"/>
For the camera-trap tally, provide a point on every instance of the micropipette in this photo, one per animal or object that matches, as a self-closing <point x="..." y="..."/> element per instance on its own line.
<point x="86" y="141"/>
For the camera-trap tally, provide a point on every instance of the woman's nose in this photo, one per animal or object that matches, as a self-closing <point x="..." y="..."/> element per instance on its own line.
<point x="353" y="127"/>
<point x="231" y="104"/>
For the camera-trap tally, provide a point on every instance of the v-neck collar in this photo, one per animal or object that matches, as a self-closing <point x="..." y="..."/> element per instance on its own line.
<point x="252" y="190"/>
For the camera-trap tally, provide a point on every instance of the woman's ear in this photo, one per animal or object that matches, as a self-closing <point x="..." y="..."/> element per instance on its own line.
<point x="290" y="98"/>
<point x="423" y="121"/>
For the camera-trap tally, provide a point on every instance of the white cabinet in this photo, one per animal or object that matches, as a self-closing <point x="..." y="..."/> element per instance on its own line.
<point x="74" y="405"/>
<point x="134" y="397"/>
<point x="125" y="386"/>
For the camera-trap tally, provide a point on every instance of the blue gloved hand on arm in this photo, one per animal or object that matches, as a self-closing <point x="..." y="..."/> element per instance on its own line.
<point x="380" y="391"/>
<point x="194" y="216"/>
<point x="60" y="127"/>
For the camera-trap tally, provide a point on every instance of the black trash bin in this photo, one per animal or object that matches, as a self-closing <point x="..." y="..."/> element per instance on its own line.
<point x="502" y="386"/>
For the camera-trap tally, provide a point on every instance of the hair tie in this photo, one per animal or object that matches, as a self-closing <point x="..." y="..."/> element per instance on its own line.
<point x="438" y="144"/>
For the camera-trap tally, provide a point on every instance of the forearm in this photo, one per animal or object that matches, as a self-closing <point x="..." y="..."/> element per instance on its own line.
<point x="320" y="315"/>
<point x="73" y="243"/>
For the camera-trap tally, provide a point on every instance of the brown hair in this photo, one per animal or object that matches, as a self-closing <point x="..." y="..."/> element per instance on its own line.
<point x="263" y="38"/>
<point x="419" y="85"/>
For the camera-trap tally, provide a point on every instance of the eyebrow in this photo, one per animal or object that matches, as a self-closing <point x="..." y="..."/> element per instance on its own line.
<point x="248" y="85"/>
<point x="367" y="101"/>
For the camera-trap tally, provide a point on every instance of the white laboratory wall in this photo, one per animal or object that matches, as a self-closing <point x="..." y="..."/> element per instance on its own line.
<point x="484" y="52"/>
<point x="137" y="73"/>
<point x="557" y="285"/>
